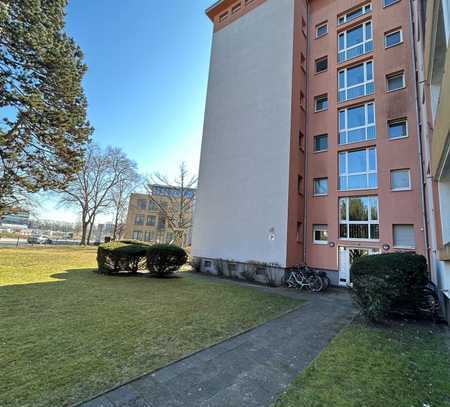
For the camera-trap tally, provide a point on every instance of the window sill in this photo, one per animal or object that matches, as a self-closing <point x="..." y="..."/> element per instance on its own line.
<point x="320" y="151"/>
<point x="319" y="195"/>
<point x="395" y="90"/>
<point x="397" y="138"/>
<point x="393" y="46"/>
<point x="401" y="190"/>
<point x="320" y="243"/>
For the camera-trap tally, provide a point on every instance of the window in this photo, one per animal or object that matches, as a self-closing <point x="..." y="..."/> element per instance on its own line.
<point x="142" y="204"/>
<point x="152" y="206"/>
<point x="358" y="169"/>
<point x="321" y="64"/>
<point x="395" y="81"/>
<point x="300" y="184"/>
<point x="357" y="124"/>
<point x="302" y="100"/>
<point x="304" y="26"/>
<point x="355" y="42"/>
<point x="151" y="220"/>
<point x="161" y="222"/>
<point x="139" y="220"/>
<point x="321" y="103"/>
<point x="387" y="3"/>
<point x="397" y="129"/>
<point x="321" y="142"/>
<point x="320" y="186"/>
<point x="321" y="30"/>
<point x="170" y="237"/>
<point x="359" y="218"/>
<point x="356" y="81"/>
<point x="137" y="235"/>
<point x="223" y="16"/>
<point x="236" y="8"/>
<point x="320" y="234"/>
<point x="400" y="180"/>
<point x="393" y="38"/>
<point x="351" y="15"/>
<point x="149" y="236"/>
<point x="303" y="61"/>
<point x="404" y="236"/>
<point x="301" y="141"/>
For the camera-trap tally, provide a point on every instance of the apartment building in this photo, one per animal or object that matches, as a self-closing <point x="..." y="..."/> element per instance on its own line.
<point x="312" y="148"/>
<point x="164" y="216"/>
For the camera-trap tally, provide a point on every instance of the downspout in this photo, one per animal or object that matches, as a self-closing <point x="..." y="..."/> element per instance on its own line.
<point x="422" y="116"/>
<point x="306" y="153"/>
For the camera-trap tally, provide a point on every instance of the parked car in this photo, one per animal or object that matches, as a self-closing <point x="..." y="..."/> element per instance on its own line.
<point x="39" y="240"/>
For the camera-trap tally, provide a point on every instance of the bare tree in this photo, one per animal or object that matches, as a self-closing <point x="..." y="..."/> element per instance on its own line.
<point x="129" y="180"/>
<point x="177" y="208"/>
<point x="91" y="189"/>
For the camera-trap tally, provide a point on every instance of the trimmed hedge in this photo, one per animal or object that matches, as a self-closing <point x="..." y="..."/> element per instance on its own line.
<point x="385" y="283"/>
<point x="165" y="259"/>
<point x="124" y="256"/>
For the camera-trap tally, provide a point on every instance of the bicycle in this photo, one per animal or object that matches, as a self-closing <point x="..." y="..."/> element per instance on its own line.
<point x="304" y="278"/>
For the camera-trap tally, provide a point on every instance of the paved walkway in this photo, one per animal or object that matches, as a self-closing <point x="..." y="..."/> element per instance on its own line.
<point x="249" y="370"/>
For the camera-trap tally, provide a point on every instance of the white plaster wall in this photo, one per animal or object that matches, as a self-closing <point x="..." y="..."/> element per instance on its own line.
<point x="243" y="179"/>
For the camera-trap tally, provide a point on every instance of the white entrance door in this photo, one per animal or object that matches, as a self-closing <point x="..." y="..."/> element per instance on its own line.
<point x="347" y="255"/>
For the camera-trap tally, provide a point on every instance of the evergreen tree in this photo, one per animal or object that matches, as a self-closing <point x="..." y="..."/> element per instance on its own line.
<point x="43" y="125"/>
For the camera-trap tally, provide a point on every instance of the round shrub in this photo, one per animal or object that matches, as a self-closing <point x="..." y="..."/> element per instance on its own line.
<point x="390" y="282"/>
<point x="123" y="256"/>
<point x="165" y="259"/>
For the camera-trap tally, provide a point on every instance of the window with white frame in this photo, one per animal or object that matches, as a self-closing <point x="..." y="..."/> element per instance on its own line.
<point x="355" y="13"/>
<point x="355" y="42"/>
<point x="321" y="30"/>
<point x="321" y="103"/>
<point x="358" y="169"/>
<point x="320" y="234"/>
<point x="393" y="38"/>
<point x="359" y="218"/>
<point x="395" y="81"/>
<point x="320" y="186"/>
<point x="357" y="124"/>
<point x="404" y="236"/>
<point x="397" y="128"/>
<point x="401" y="180"/>
<point x="356" y="81"/>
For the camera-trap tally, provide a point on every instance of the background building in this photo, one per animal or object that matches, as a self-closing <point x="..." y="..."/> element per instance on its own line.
<point x="312" y="145"/>
<point x="434" y="79"/>
<point x="164" y="216"/>
<point x="15" y="221"/>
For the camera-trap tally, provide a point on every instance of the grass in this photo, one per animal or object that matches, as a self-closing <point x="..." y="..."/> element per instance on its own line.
<point x="67" y="333"/>
<point x="399" y="366"/>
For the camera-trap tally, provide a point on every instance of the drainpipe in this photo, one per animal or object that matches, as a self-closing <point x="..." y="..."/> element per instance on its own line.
<point x="305" y="222"/>
<point x="422" y="134"/>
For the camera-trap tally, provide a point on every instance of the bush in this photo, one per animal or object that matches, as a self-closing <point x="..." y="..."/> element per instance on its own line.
<point x="390" y="282"/>
<point x="165" y="259"/>
<point x="127" y="255"/>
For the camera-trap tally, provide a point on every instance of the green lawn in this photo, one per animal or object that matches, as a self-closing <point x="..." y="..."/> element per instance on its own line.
<point x="67" y="333"/>
<point x="403" y="366"/>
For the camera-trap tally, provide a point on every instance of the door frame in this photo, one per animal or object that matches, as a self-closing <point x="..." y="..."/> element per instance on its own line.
<point x="371" y="250"/>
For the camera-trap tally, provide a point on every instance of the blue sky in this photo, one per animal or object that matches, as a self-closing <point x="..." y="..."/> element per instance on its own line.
<point x="146" y="84"/>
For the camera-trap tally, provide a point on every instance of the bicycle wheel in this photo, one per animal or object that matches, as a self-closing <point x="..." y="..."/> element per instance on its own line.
<point x="326" y="282"/>
<point x="316" y="284"/>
